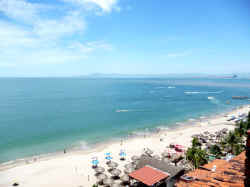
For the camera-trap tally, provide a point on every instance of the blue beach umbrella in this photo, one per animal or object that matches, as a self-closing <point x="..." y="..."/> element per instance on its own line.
<point x="95" y="162"/>
<point x="122" y="153"/>
<point x="108" y="156"/>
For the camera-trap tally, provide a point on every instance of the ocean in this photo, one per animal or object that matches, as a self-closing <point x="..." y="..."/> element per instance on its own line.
<point x="46" y="115"/>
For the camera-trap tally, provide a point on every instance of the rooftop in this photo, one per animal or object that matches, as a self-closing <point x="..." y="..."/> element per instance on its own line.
<point x="149" y="175"/>
<point x="227" y="173"/>
<point x="161" y="165"/>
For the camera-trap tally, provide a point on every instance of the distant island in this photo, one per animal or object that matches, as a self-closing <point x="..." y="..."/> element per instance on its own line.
<point x="172" y="75"/>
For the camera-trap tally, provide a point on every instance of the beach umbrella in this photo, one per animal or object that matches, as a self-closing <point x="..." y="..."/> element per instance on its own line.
<point x="136" y="162"/>
<point x="94" y="163"/>
<point x="130" y="165"/>
<point x="99" y="169"/>
<point x="122" y="154"/>
<point x="125" y="178"/>
<point x="15" y="184"/>
<point x="149" y="152"/>
<point x="108" y="181"/>
<point x="112" y="164"/>
<point x="166" y="160"/>
<point x="134" y="158"/>
<point x="115" y="172"/>
<point x="102" y="177"/>
<point x="108" y="157"/>
<point x="157" y="157"/>
<point x="165" y="154"/>
<point x="128" y="170"/>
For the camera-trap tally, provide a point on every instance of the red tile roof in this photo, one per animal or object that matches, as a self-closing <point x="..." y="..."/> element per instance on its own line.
<point x="148" y="175"/>
<point x="227" y="173"/>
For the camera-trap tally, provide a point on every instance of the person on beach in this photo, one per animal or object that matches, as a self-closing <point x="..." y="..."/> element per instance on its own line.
<point x="64" y="151"/>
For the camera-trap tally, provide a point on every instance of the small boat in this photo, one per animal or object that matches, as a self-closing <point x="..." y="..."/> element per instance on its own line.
<point x="237" y="120"/>
<point x="240" y="97"/>
<point x="231" y="118"/>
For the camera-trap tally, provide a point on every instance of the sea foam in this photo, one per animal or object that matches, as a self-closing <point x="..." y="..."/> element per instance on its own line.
<point x="122" y="111"/>
<point x="200" y="92"/>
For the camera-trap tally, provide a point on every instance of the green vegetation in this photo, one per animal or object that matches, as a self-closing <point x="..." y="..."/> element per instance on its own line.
<point x="216" y="151"/>
<point x="233" y="142"/>
<point x="196" y="142"/>
<point x="196" y="155"/>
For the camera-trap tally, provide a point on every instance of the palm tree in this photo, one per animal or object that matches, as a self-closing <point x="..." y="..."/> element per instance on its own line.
<point x="234" y="142"/>
<point x="196" y="142"/>
<point x="248" y="122"/>
<point x="215" y="150"/>
<point x="196" y="155"/>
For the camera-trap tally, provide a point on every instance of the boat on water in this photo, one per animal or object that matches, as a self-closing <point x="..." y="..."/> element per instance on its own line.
<point x="240" y="97"/>
<point x="231" y="118"/>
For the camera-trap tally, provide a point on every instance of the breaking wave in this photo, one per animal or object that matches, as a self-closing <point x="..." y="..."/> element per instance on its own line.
<point x="210" y="98"/>
<point x="198" y="92"/>
<point x="122" y="110"/>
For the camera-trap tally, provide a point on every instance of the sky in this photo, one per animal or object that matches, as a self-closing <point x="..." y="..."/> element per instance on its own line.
<point x="80" y="37"/>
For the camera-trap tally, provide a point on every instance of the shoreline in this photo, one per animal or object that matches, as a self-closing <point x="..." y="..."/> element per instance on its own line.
<point x="57" y="168"/>
<point x="97" y="147"/>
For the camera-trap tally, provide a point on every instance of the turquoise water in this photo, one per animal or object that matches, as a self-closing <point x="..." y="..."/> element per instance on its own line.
<point x="42" y="115"/>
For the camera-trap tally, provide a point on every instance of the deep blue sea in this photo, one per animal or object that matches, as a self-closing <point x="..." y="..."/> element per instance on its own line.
<point x="43" y="115"/>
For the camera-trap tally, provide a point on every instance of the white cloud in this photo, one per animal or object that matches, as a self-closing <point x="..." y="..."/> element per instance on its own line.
<point x="179" y="54"/>
<point x="100" y="45"/>
<point x="12" y="35"/>
<point x="48" y="39"/>
<point x="20" y="46"/>
<point x="103" y="5"/>
<point x="20" y="9"/>
<point x="91" y="46"/>
<point x="56" y="28"/>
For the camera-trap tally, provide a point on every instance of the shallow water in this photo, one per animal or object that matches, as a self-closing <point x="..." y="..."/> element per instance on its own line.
<point x="41" y="115"/>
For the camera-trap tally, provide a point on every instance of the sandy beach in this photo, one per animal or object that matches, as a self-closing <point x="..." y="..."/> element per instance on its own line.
<point x="74" y="168"/>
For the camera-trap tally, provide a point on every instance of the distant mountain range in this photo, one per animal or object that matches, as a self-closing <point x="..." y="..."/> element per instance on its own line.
<point x="187" y="75"/>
